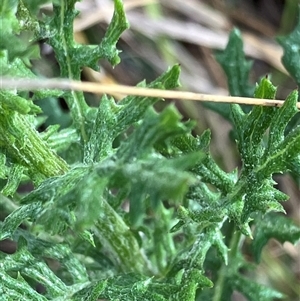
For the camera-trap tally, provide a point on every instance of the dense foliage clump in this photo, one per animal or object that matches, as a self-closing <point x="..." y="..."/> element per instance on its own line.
<point x="127" y="204"/>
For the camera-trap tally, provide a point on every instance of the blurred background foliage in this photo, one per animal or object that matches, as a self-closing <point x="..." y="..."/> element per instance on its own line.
<point x="191" y="33"/>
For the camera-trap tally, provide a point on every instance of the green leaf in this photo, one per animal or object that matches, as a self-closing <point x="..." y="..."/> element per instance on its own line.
<point x="3" y="168"/>
<point x="12" y="221"/>
<point x="72" y="57"/>
<point x="265" y="200"/>
<point x="160" y="179"/>
<point x="91" y="292"/>
<point x="250" y="128"/>
<point x="192" y="279"/>
<point x="54" y="193"/>
<point x="33" y="268"/>
<point x="23" y="262"/>
<point x="235" y="65"/>
<point x="273" y="226"/>
<point x="17" y="68"/>
<point x="113" y="119"/>
<point x="279" y="122"/>
<point x="133" y="287"/>
<point x="261" y="160"/>
<point x="14" y="41"/>
<point x="195" y="254"/>
<point x="291" y="55"/>
<point x="208" y="170"/>
<point x="118" y="24"/>
<point x="33" y="5"/>
<point x="154" y="175"/>
<point x="153" y="129"/>
<point x="254" y="291"/>
<point x="14" y="177"/>
<point x="17" y="289"/>
<point x="16" y="103"/>
<point x="75" y="201"/>
<point x="237" y="69"/>
<point x="56" y="251"/>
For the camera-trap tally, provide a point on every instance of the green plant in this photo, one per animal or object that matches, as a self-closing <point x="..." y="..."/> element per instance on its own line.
<point x="181" y="238"/>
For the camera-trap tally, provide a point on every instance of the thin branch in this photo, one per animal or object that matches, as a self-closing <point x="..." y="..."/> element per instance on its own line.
<point x="37" y="84"/>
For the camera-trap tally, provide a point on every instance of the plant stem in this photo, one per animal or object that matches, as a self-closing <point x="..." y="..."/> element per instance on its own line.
<point x="234" y="243"/>
<point x="64" y="48"/>
<point x="117" y="236"/>
<point x="25" y="147"/>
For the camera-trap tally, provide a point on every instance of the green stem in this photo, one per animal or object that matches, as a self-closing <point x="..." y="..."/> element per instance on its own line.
<point x="234" y="243"/>
<point x="289" y="16"/>
<point x="65" y="50"/>
<point x="24" y="146"/>
<point x="112" y="231"/>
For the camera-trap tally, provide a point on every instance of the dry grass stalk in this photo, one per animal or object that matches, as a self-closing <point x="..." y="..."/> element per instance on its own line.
<point x="33" y="84"/>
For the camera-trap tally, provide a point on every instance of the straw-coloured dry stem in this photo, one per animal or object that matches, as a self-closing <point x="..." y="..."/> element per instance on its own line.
<point x="29" y="84"/>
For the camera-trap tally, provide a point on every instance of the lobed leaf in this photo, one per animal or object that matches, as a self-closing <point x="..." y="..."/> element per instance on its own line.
<point x="17" y="289"/>
<point x="113" y="119"/>
<point x="273" y="226"/>
<point x="291" y="55"/>
<point x="261" y="160"/>
<point x="114" y="212"/>
<point x="254" y="291"/>
<point x="13" y="221"/>
<point x="236" y="66"/>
